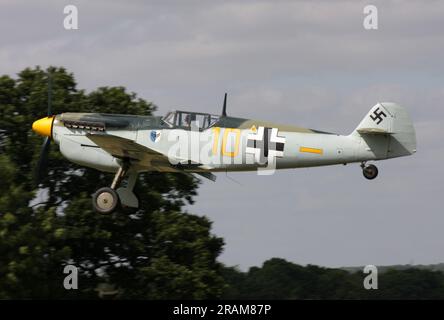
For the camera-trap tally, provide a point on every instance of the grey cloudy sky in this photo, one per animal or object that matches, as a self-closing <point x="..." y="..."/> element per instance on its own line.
<point x="309" y="63"/>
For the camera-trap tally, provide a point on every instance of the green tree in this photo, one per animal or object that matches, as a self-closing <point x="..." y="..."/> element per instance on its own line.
<point x="280" y="279"/>
<point x="156" y="252"/>
<point x="410" y="284"/>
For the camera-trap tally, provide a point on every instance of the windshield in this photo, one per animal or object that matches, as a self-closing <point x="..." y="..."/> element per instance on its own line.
<point x="169" y="119"/>
<point x="186" y="119"/>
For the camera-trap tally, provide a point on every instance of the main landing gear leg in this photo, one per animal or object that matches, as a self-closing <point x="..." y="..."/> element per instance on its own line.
<point x="106" y="199"/>
<point x="370" y="172"/>
<point x="128" y="198"/>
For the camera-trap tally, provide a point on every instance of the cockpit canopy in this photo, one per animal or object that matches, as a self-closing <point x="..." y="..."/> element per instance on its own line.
<point x="186" y="119"/>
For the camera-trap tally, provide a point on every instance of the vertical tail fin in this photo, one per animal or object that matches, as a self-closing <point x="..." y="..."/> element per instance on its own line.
<point x="388" y="129"/>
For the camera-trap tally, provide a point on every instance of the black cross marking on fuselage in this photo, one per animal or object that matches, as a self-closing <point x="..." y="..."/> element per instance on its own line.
<point x="265" y="145"/>
<point x="377" y="115"/>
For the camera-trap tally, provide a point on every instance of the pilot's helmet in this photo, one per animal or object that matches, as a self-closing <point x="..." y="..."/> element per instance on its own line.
<point x="187" y="120"/>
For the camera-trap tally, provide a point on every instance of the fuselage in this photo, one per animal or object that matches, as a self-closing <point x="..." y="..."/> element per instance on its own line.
<point x="201" y="143"/>
<point x="227" y="144"/>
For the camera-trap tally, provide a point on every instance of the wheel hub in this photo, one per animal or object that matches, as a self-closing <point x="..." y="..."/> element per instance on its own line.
<point x="105" y="201"/>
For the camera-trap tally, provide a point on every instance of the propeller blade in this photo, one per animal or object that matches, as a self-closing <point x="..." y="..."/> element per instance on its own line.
<point x="49" y="94"/>
<point x="42" y="163"/>
<point x="43" y="160"/>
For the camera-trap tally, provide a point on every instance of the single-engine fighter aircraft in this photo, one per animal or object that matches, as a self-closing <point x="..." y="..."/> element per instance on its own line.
<point x="129" y="144"/>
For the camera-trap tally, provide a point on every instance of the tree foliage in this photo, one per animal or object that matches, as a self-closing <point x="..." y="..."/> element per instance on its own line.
<point x="157" y="252"/>
<point x="280" y="279"/>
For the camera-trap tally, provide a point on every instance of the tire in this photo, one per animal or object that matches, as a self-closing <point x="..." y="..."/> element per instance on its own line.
<point x="105" y="200"/>
<point x="370" y="172"/>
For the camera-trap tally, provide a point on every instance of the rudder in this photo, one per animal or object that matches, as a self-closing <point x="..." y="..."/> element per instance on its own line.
<point x="388" y="130"/>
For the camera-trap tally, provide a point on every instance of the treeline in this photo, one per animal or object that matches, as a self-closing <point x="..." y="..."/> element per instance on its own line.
<point x="280" y="279"/>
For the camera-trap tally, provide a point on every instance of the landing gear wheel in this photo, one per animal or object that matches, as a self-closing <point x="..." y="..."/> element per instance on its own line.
<point x="105" y="200"/>
<point x="370" y="171"/>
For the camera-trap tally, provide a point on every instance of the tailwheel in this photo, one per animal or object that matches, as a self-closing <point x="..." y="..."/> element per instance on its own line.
<point x="105" y="200"/>
<point x="370" y="171"/>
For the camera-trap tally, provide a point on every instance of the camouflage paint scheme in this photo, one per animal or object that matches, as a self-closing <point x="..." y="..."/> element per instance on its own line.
<point x="103" y="141"/>
<point x="202" y="143"/>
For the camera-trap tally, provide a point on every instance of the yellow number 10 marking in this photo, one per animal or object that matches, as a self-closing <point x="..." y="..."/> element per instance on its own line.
<point x="227" y="131"/>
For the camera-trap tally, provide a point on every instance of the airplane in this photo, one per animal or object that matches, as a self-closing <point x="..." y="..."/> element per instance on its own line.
<point x="203" y="143"/>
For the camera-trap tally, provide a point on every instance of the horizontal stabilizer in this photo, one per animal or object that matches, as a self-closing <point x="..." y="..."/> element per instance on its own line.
<point x="372" y="131"/>
<point x="208" y="175"/>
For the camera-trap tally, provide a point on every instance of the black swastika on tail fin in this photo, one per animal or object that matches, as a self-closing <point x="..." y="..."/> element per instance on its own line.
<point x="377" y="115"/>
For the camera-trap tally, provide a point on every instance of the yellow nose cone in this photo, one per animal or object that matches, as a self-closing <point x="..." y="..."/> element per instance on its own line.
<point x="43" y="126"/>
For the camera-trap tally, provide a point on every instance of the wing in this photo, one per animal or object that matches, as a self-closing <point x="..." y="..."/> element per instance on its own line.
<point x="125" y="148"/>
